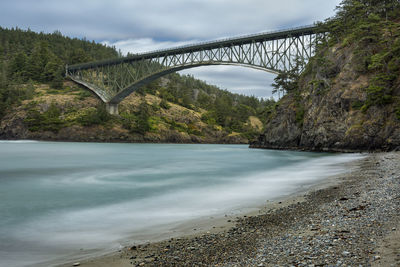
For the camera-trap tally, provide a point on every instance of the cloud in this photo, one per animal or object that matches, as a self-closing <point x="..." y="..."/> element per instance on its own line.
<point x="161" y="19"/>
<point x="139" y="26"/>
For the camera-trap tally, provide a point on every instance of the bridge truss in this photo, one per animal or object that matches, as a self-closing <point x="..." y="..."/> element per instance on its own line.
<point x="113" y="80"/>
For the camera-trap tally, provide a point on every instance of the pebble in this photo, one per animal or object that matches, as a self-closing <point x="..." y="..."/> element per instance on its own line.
<point x="338" y="226"/>
<point x="346" y="253"/>
<point x="377" y="257"/>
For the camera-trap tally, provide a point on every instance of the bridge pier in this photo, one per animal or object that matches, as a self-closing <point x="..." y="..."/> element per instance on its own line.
<point x="112" y="108"/>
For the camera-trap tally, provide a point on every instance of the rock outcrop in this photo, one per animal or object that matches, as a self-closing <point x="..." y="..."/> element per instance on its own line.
<point x="328" y="111"/>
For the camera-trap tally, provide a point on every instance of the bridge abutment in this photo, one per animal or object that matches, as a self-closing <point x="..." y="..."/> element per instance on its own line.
<point x="112" y="108"/>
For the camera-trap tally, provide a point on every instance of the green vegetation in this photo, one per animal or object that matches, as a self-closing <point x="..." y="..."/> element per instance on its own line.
<point x="164" y="104"/>
<point x="371" y="28"/>
<point x="287" y="82"/>
<point x="29" y="61"/>
<point x="142" y="123"/>
<point x="357" y="105"/>
<point x="300" y="115"/>
<point x="94" y="116"/>
<point x="228" y="110"/>
<point x="398" y="113"/>
<point x="27" y="57"/>
<point x="13" y="94"/>
<point x="44" y="121"/>
<point x="53" y="118"/>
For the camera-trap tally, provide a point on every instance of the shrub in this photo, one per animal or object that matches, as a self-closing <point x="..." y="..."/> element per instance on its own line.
<point x="179" y="126"/>
<point x="300" y="115"/>
<point x="164" y="104"/>
<point x="128" y="121"/>
<point x="250" y="134"/>
<point x="398" y="113"/>
<point x="155" y="107"/>
<point x="46" y="121"/>
<point x="153" y="123"/>
<point x="377" y="61"/>
<point x="209" y="118"/>
<point x="357" y="105"/>
<point x="379" y="92"/>
<point x="95" y="116"/>
<point x="192" y="129"/>
<point x="142" y="125"/>
<point x="84" y="94"/>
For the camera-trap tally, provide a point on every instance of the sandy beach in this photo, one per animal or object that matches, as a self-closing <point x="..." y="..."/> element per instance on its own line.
<point x="350" y="220"/>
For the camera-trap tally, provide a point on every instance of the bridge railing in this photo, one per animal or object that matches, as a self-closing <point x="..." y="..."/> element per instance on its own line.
<point x="313" y="28"/>
<point x="233" y="38"/>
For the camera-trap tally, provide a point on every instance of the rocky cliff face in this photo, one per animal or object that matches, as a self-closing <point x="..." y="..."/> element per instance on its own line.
<point x="327" y="113"/>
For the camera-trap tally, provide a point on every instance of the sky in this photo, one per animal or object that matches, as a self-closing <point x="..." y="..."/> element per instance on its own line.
<point x="144" y="25"/>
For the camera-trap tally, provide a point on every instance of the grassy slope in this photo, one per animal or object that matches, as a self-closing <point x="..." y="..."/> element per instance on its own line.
<point x="72" y="113"/>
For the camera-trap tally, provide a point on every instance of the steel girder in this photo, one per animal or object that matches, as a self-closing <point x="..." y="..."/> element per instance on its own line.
<point x="113" y="80"/>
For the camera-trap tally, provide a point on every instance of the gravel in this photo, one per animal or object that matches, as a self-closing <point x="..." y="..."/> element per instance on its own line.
<point x="342" y="225"/>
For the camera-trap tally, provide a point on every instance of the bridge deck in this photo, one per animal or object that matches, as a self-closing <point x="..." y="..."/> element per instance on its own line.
<point x="242" y="40"/>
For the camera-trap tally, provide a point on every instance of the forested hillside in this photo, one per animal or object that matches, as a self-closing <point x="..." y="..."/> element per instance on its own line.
<point x="33" y="92"/>
<point x="348" y="96"/>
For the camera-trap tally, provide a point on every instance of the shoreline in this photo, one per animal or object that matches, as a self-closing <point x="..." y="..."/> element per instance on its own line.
<point x="123" y="142"/>
<point x="325" y="149"/>
<point x="250" y="144"/>
<point x="338" y="217"/>
<point x="206" y="225"/>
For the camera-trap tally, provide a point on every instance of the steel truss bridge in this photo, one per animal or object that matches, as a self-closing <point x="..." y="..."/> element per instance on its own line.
<point x="113" y="80"/>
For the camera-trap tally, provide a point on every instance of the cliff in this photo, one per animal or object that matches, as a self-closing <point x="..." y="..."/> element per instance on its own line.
<point x="348" y="97"/>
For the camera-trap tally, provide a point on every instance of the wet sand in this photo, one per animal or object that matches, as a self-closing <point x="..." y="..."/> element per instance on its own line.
<point x="348" y="220"/>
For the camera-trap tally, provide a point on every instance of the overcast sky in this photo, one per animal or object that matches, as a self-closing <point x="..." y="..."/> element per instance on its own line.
<point x="145" y="25"/>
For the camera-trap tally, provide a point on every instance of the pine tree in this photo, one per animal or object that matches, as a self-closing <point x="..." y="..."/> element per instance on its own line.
<point x="17" y="67"/>
<point x="287" y="81"/>
<point x="142" y="124"/>
<point x="38" y="61"/>
<point x="78" y="55"/>
<point x="53" y="72"/>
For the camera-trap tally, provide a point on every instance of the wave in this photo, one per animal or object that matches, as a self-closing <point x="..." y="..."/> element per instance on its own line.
<point x="19" y="141"/>
<point x="108" y="223"/>
<point x="93" y="196"/>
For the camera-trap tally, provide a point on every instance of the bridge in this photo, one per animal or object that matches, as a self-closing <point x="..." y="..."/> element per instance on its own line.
<point x="113" y="80"/>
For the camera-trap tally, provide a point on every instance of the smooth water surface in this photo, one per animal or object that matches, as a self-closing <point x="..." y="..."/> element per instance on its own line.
<point x="60" y="199"/>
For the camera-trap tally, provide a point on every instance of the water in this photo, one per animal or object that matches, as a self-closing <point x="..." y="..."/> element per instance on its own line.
<point x="59" y="200"/>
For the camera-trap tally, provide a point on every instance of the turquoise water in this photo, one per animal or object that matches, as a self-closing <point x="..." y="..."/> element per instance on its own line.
<point x="62" y="199"/>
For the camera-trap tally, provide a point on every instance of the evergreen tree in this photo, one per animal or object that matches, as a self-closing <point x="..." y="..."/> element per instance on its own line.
<point x="287" y="81"/>
<point x="17" y="66"/>
<point x="39" y="57"/>
<point x="38" y="61"/>
<point x="53" y="72"/>
<point x="77" y="56"/>
<point x="142" y="124"/>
